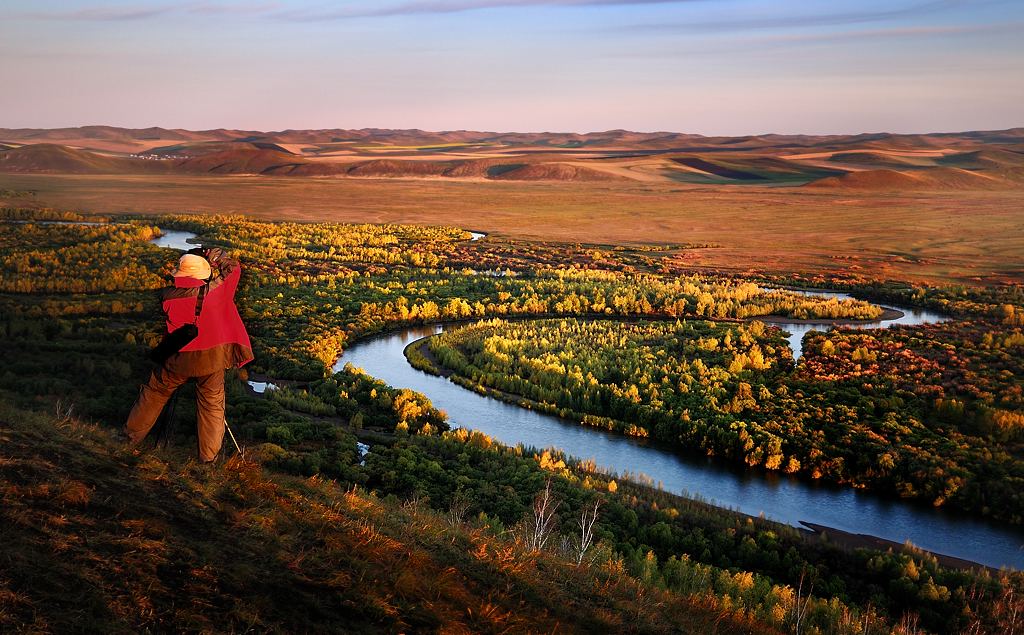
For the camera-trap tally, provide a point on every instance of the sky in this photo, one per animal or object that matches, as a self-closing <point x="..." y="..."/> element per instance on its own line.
<point x="714" y="67"/>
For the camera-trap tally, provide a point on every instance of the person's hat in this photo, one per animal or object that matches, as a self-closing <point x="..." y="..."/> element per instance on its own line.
<point x="192" y="266"/>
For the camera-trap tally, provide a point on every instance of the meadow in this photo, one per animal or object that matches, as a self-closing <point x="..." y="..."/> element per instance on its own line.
<point x="973" y="238"/>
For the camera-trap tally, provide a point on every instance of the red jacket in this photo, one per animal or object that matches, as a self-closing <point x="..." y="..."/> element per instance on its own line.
<point x="223" y="341"/>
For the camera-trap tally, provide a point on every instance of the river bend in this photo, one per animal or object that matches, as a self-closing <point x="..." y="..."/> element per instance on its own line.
<point x="780" y="497"/>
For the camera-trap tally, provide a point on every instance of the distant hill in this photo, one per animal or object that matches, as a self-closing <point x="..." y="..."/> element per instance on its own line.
<point x="566" y="141"/>
<point x="113" y="133"/>
<point x="242" y="160"/>
<point x="985" y="159"/>
<point x="966" y="160"/>
<point x="209" y="147"/>
<point x="554" y="172"/>
<point x="392" y="167"/>
<point x="47" y="157"/>
<point x="880" y="159"/>
<point x="933" y="179"/>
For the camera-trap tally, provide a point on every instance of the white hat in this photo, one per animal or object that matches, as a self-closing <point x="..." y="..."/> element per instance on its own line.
<point x="192" y="266"/>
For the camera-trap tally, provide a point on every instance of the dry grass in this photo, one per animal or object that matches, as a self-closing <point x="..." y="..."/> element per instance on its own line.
<point x="95" y="539"/>
<point x="962" y="237"/>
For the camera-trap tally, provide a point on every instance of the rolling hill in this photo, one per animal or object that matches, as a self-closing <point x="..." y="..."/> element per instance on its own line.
<point x="246" y="159"/>
<point x="51" y="158"/>
<point x="933" y="179"/>
<point x="969" y="160"/>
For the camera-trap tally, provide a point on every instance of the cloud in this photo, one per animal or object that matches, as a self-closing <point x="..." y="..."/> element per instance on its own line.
<point x="147" y="11"/>
<point x="384" y="8"/>
<point x="366" y="9"/>
<point x="248" y="8"/>
<point x="786" y="40"/>
<point x="900" y="33"/>
<point x="790" y="21"/>
<point x="460" y="6"/>
<point x="101" y="14"/>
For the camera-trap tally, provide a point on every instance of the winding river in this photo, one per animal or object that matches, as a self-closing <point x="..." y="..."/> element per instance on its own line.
<point x="909" y="316"/>
<point x="777" y="496"/>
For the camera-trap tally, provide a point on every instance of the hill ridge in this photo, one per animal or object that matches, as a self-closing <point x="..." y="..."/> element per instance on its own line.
<point x="914" y="161"/>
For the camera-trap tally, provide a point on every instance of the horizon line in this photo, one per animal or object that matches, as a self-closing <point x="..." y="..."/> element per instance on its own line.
<point x="510" y="132"/>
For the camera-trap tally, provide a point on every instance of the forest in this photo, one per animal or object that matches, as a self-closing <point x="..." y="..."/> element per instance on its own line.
<point x="600" y="334"/>
<point x="903" y="410"/>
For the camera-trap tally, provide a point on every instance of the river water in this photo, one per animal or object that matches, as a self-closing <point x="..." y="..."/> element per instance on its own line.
<point x="175" y="239"/>
<point x="780" y="497"/>
<point x="777" y="496"/>
<point x="911" y="316"/>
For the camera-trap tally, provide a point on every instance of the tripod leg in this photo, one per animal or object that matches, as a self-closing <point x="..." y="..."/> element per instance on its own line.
<point x="241" y="453"/>
<point x="166" y="429"/>
<point x="162" y="430"/>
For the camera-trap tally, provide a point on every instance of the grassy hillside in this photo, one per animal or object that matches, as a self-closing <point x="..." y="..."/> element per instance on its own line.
<point x="98" y="539"/>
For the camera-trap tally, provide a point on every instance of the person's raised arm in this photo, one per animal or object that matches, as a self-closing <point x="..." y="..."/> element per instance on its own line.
<point x="228" y="268"/>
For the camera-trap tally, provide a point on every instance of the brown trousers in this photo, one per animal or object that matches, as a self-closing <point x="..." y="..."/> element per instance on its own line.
<point x="153" y="396"/>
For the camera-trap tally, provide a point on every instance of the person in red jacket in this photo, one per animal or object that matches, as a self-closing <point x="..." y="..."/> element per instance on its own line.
<point x="222" y="343"/>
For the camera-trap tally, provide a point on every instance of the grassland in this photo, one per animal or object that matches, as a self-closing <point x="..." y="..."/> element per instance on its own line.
<point x="963" y="237"/>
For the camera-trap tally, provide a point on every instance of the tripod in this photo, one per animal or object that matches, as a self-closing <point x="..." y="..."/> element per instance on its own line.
<point x="165" y="425"/>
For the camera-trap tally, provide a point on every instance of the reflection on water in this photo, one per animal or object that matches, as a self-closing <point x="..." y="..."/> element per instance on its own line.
<point x="911" y="316"/>
<point x="170" y="238"/>
<point x="778" y="496"/>
<point x="261" y="386"/>
<point x="175" y="239"/>
<point x="363" y="449"/>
